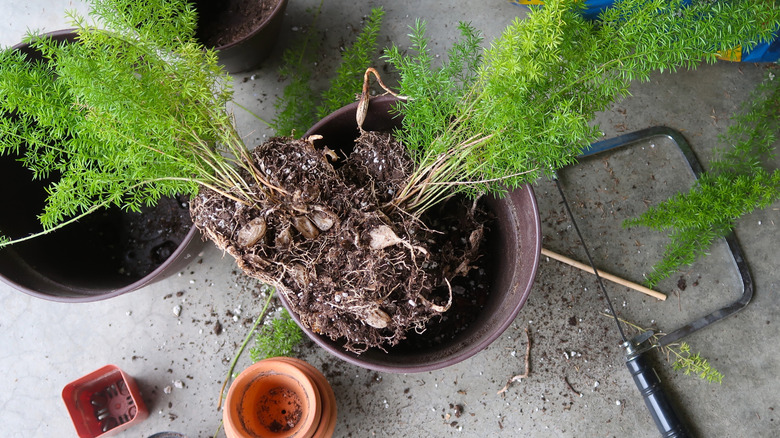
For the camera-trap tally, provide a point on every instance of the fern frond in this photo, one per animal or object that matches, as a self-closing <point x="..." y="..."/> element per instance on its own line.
<point x="541" y="82"/>
<point x="737" y="184"/>
<point x="693" y="363"/>
<point x="355" y="60"/>
<point x="155" y="124"/>
<point x="277" y="338"/>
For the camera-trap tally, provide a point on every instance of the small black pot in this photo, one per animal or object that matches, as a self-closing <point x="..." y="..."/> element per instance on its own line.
<point x="83" y="261"/>
<point x="249" y="52"/>
<point x="515" y="244"/>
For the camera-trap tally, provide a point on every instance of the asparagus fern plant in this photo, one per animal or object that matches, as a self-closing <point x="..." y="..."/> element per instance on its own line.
<point x="134" y="111"/>
<point x="156" y="123"/>
<point x="485" y="122"/>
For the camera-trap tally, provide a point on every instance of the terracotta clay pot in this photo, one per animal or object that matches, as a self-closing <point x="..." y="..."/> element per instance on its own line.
<point x="81" y="261"/>
<point x="280" y="397"/>
<point x="514" y="244"/>
<point x="250" y="51"/>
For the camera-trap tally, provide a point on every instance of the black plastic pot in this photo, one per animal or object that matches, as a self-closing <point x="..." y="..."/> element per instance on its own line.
<point x="82" y="261"/>
<point x="249" y="52"/>
<point x="514" y="243"/>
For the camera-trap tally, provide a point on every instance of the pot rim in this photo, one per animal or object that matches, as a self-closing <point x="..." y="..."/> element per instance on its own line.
<point x="329" y="404"/>
<point x="288" y="370"/>
<point x="70" y="33"/>
<point x="93" y="295"/>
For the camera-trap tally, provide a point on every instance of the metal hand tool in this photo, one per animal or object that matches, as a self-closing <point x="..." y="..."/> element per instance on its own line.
<point x="645" y="377"/>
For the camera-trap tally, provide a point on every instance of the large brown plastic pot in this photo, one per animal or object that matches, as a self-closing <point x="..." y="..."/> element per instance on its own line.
<point x="250" y="51"/>
<point x="514" y="244"/>
<point x="280" y="397"/>
<point x="80" y="261"/>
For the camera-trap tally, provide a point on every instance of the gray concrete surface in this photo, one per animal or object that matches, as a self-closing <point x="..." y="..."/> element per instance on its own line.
<point x="577" y="387"/>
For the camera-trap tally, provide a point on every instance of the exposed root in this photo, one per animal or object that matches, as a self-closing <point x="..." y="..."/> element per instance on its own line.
<point x="349" y="269"/>
<point x="577" y="393"/>
<point x="520" y="377"/>
<point x="437" y="308"/>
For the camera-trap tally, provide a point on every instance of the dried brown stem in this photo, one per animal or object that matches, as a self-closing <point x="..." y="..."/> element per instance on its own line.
<point x="566" y="379"/>
<point x="362" y="108"/>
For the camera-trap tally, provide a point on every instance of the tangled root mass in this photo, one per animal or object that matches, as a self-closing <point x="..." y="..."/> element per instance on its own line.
<point x="349" y="266"/>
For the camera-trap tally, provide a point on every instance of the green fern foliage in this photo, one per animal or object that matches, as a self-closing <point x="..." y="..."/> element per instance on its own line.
<point x="684" y="360"/>
<point x="354" y="62"/>
<point x="538" y="86"/>
<point x="276" y="338"/>
<point x="694" y="364"/>
<point x="437" y="90"/>
<point x="126" y="114"/>
<point x="298" y="108"/>
<point x="737" y="184"/>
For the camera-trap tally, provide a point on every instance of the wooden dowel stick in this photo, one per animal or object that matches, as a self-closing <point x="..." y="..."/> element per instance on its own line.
<point x="602" y="274"/>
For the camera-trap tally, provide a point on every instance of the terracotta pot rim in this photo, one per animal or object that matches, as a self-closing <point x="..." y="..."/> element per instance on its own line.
<point x="329" y="405"/>
<point x="286" y="369"/>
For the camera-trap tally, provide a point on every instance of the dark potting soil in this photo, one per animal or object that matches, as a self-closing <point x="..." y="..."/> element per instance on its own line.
<point x="470" y="292"/>
<point x="351" y="266"/>
<point x="109" y="248"/>
<point x="148" y="238"/>
<point x="221" y="22"/>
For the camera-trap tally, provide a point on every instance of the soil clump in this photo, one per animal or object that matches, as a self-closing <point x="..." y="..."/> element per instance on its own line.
<point x="350" y="264"/>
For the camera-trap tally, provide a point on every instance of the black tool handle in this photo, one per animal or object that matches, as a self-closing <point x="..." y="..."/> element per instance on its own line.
<point x="649" y="385"/>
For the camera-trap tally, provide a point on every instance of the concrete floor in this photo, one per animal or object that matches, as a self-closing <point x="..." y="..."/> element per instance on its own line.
<point x="577" y="387"/>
